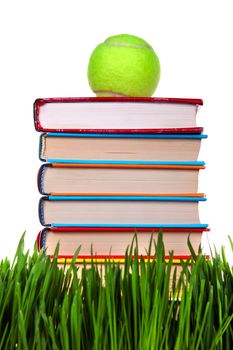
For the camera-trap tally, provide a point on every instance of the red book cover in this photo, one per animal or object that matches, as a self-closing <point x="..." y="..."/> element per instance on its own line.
<point x="39" y="103"/>
<point x="41" y="242"/>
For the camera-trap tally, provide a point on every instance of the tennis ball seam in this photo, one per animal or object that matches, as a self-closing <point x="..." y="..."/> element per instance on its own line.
<point x="129" y="45"/>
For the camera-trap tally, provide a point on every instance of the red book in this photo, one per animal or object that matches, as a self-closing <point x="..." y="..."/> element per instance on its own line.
<point x="117" y="115"/>
<point x="111" y="243"/>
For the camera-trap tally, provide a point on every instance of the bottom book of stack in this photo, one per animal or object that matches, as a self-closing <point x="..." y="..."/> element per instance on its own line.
<point x="98" y="244"/>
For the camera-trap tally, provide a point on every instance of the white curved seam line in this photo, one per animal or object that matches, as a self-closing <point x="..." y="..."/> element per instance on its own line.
<point x="129" y="45"/>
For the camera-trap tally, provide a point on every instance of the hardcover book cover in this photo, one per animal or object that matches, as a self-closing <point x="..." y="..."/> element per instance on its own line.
<point x="120" y="211"/>
<point x="67" y="114"/>
<point x="62" y="147"/>
<point x="118" y="179"/>
<point x="81" y="237"/>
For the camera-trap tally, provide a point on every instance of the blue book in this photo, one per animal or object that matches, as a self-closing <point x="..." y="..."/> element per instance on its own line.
<point x="121" y="211"/>
<point x="132" y="149"/>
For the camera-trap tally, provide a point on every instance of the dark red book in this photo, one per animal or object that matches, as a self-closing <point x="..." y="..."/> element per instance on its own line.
<point x="111" y="243"/>
<point x="117" y="115"/>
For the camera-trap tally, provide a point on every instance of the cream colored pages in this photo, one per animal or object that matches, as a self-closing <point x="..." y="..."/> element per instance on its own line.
<point x="117" y="115"/>
<point x="118" y="180"/>
<point x="120" y="212"/>
<point x="121" y="148"/>
<point x="115" y="243"/>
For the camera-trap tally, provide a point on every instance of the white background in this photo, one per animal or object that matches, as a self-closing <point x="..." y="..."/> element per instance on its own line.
<point x="44" y="52"/>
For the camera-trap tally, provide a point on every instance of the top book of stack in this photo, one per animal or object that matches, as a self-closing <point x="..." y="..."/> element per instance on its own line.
<point x="117" y="115"/>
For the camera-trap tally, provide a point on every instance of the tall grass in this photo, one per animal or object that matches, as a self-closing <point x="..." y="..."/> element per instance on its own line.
<point x="144" y="305"/>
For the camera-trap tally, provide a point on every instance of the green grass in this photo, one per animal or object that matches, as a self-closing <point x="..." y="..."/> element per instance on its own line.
<point x="145" y="305"/>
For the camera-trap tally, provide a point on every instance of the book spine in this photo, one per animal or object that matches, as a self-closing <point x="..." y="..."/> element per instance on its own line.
<point x="40" y="178"/>
<point x="41" y="239"/>
<point x="41" y="211"/>
<point x="38" y="240"/>
<point x="36" y="112"/>
<point x="42" y="141"/>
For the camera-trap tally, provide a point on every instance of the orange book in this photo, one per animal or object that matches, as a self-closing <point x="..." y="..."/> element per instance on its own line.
<point x="118" y="179"/>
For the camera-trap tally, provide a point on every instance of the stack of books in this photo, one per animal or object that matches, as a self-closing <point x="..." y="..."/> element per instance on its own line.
<point x="114" y="166"/>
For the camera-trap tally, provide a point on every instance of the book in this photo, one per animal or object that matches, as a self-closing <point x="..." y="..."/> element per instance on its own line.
<point x="112" y="242"/>
<point x="121" y="114"/>
<point x="74" y="147"/>
<point x="117" y="179"/>
<point x="120" y="211"/>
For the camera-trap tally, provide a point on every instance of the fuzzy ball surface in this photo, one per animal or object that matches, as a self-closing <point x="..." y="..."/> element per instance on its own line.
<point x="124" y="65"/>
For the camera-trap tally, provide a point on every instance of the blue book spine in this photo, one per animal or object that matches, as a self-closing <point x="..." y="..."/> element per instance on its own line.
<point x="126" y="198"/>
<point x="131" y="136"/>
<point x="128" y="162"/>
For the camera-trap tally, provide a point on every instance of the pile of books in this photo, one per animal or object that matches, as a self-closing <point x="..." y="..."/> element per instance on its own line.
<point x="114" y="166"/>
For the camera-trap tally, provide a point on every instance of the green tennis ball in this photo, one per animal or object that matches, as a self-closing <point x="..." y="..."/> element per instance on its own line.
<point x="123" y="65"/>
